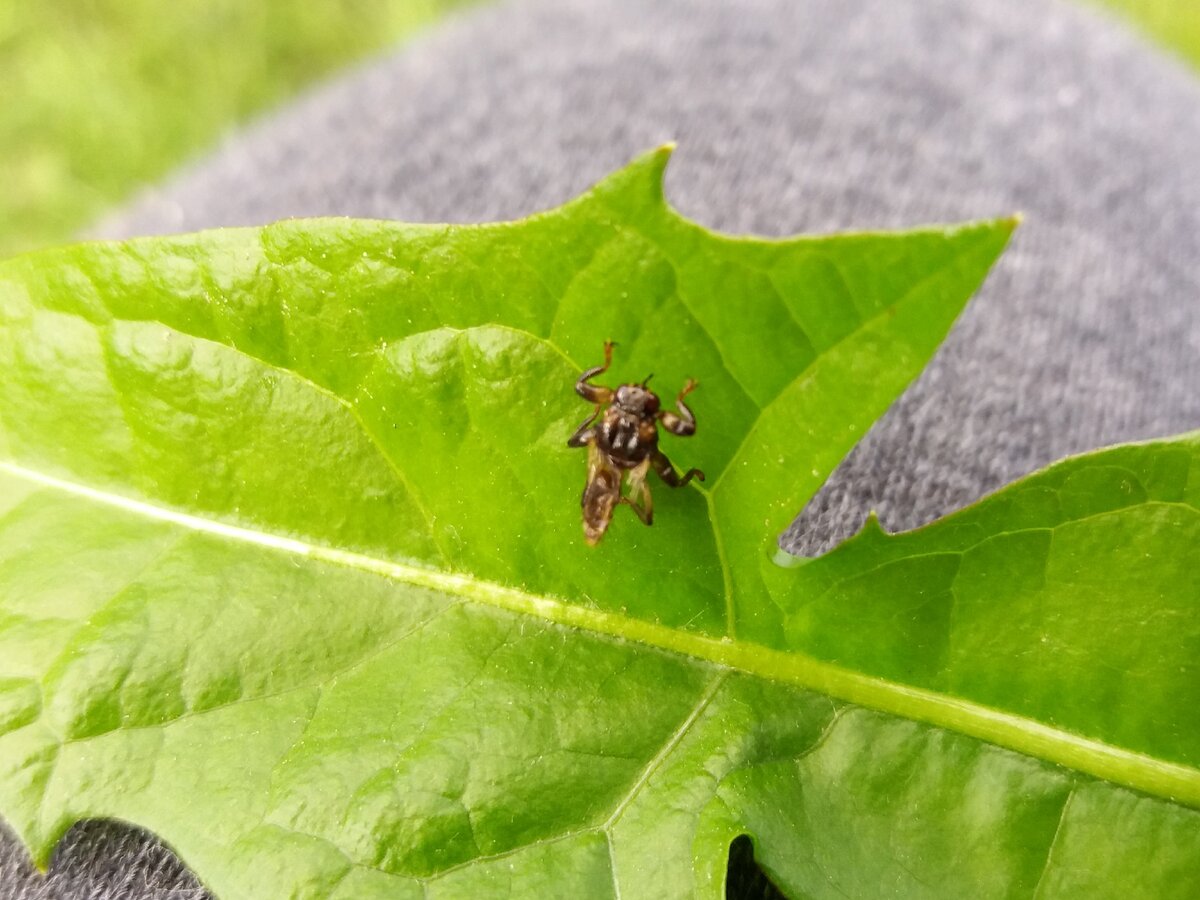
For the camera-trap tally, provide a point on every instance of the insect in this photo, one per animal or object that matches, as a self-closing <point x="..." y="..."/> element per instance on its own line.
<point x="624" y="444"/>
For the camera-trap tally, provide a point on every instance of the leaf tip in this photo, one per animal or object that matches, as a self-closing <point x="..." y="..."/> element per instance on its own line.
<point x="655" y="162"/>
<point x="872" y="528"/>
<point x="1001" y="231"/>
<point x="640" y="183"/>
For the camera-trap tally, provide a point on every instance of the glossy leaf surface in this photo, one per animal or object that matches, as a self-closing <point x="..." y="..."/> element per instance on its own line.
<point x="291" y="573"/>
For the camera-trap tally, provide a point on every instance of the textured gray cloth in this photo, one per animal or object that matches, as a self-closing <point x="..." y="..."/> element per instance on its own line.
<point x="791" y="115"/>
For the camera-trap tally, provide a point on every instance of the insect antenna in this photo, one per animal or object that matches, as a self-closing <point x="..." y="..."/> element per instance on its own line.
<point x="646" y="380"/>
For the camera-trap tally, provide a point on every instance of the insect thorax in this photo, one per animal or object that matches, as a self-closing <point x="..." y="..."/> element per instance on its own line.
<point x="627" y="439"/>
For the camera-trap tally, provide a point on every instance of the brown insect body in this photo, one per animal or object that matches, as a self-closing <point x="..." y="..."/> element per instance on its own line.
<point x="623" y="447"/>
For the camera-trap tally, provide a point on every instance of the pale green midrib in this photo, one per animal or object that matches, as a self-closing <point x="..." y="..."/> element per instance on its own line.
<point x="1135" y="770"/>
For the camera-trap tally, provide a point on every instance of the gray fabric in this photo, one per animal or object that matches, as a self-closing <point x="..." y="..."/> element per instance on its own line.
<point x="98" y="861"/>
<point x="797" y="115"/>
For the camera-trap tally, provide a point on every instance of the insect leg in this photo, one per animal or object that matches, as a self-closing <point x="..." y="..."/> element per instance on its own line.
<point x="667" y="472"/>
<point x="583" y="432"/>
<point x="596" y="393"/>
<point x="682" y="423"/>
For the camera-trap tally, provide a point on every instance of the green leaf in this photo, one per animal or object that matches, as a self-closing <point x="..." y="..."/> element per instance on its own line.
<point x="103" y="97"/>
<point x="1174" y="24"/>
<point x="292" y="573"/>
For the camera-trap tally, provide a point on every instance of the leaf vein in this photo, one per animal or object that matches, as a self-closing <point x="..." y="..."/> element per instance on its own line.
<point x="1062" y="818"/>
<point x="997" y="726"/>
<point x="668" y="746"/>
<point x="930" y="277"/>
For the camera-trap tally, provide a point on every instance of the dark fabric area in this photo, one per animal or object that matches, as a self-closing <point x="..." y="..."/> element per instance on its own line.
<point x="792" y="115"/>
<point x="98" y="861"/>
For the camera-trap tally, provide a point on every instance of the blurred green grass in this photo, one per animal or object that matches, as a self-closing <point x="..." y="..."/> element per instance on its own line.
<point x="98" y="97"/>
<point x="1173" y="23"/>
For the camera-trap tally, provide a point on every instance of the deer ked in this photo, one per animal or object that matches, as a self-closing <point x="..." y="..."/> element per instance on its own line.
<point x="621" y="435"/>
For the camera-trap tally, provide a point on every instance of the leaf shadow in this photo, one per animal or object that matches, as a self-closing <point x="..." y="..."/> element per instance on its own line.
<point x="745" y="878"/>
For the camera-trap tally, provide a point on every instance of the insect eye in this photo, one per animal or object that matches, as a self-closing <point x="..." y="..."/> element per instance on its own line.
<point x="651" y="403"/>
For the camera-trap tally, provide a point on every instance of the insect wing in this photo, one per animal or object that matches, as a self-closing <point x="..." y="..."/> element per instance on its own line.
<point x="600" y="495"/>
